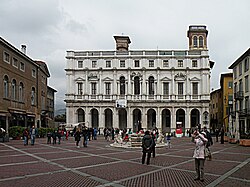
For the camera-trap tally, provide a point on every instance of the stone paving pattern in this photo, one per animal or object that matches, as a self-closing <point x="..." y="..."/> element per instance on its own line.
<point x="102" y="165"/>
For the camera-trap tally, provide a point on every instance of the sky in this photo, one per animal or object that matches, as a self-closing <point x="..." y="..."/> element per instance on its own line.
<point x="51" y="27"/>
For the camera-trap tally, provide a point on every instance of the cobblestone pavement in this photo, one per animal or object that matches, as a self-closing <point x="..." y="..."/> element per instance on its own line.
<point x="99" y="164"/>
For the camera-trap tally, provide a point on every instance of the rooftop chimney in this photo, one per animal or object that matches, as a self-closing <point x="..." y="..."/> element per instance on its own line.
<point x="23" y="49"/>
<point x="122" y="43"/>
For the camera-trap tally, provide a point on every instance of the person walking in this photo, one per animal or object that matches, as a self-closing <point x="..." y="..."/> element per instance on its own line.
<point x="154" y="144"/>
<point x="77" y="136"/>
<point x="147" y="144"/>
<point x="33" y="133"/>
<point x="208" y="144"/>
<point x="25" y="136"/>
<point x="54" y="136"/>
<point x="222" y="133"/>
<point x="168" y="140"/>
<point x="199" y="154"/>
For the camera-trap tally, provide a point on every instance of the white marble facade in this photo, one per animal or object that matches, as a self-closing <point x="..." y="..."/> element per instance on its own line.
<point x="140" y="88"/>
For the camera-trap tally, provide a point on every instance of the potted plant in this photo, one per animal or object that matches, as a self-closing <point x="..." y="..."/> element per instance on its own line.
<point x="16" y="132"/>
<point x="245" y="139"/>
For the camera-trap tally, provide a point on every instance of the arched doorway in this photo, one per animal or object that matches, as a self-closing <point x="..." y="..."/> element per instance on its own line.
<point x="80" y="115"/>
<point x="195" y="118"/>
<point x="94" y="118"/>
<point x="151" y="119"/>
<point x="122" y="118"/>
<point x="166" y="120"/>
<point x="180" y="118"/>
<point x="137" y="120"/>
<point x="108" y="118"/>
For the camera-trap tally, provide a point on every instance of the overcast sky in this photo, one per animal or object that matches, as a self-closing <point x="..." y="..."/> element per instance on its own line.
<point x="51" y="27"/>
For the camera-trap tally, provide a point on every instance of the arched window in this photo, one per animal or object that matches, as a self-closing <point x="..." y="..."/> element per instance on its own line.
<point x="195" y="42"/>
<point x="13" y="90"/>
<point x="21" y="87"/>
<point x="151" y="85"/>
<point x="137" y="85"/>
<point x="33" y="96"/>
<point x="5" y="86"/>
<point x="122" y="85"/>
<point x="201" y="43"/>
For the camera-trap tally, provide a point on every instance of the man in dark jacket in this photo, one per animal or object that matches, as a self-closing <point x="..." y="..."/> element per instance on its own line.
<point x="209" y="142"/>
<point x="147" y="145"/>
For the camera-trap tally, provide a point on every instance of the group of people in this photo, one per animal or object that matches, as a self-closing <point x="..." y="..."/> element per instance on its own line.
<point x="57" y="135"/>
<point x="86" y="133"/>
<point x="29" y="133"/>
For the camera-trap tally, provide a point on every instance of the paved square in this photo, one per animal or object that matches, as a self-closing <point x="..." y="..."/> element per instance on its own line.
<point x="102" y="165"/>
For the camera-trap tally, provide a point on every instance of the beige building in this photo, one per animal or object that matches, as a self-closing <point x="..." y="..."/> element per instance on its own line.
<point x="136" y="89"/>
<point x="240" y="123"/>
<point x="23" y="88"/>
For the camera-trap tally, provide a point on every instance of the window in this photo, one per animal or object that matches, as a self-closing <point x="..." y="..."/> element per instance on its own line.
<point x="15" y="62"/>
<point x="137" y="85"/>
<point x="108" y="64"/>
<point x="94" y="64"/>
<point x="246" y="84"/>
<point x="80" y="88"/>
<point x="246" y="65"/>
<point x="93" y="88"/>
<point x="6" y="87"/>
<point x="122" y="85"/>
<point x="33" y="96"/>
<point x="151" y="63"/>
<point x="180" y="88"/>
<point x="33" y="73"/>
<point x="151" y="85"/>
<point x="180" y="63"/>
<point x="137" y="63"/>
<point x="235" y="72"/>
<point x="230" y="84"/>
<point x="122" y="63"/>
<point x="195" y="88"/>
<point x="246" y="102"/>
<point x="194" y="63"/>
<point x="195" y="43"/>
<point x="80" y="64"/>
<point x="21" y="91"/>
<point x="165" y="63"/>
<point x="165" y="88"/>
<point x="240" y="86"/>
<point x="6" y="57"/>
<point x="240" y="69"/>
<point x="200" y="41"/>
<point x="22" y="66"/>
<point x="13" y="90"/>
<point x="108" y="88"/>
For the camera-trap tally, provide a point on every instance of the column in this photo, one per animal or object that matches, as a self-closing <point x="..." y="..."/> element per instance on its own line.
<point x="115" y="118"/>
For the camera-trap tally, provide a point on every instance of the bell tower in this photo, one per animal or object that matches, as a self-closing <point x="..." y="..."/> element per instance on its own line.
<point x="122" y="43"/>
<point x="197" y="35"/>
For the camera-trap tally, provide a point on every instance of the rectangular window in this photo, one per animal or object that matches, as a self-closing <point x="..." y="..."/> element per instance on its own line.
<point x="34" y="73"/>
<point x="80" y="88"/>
<point x="151" y="63"/>
<point x="93" y="88"/>
<point x="15" y="62"/>
<point x="22" y="66"/>
<point x="137" y="63"/>
<point x="246" y="65"/>
<point x="235" y="72"/>
<point x="108" y="88"/>
<point x="194" y="63"/>
<point x="94" y="64"/>
<point x="180" y="88"/>
<point x="240" y="69"/>
<point x="180" y="63"/>
<point x="165" y="88"/>
<point x="195" y="88"/>
<point x="246" y="84"/>
<point x="6" y="57"/>
<point x="108" y="64"/>
<point x="80" y="64"/>
<point x="122" y="63"/>
<point x="165" y="63"/>
<point x="230" y="84"/>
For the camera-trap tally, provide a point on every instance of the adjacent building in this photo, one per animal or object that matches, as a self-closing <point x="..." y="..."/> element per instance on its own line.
<point x="136" y="89"/>
<point x="23" y="88"/>
<point x="240" y="123"/>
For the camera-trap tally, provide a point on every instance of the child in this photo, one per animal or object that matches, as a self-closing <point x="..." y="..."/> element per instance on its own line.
<point x="168" y="140"/>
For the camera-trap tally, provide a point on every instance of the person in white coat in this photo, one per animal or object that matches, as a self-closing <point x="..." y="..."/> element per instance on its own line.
<point x="200" y="141"/>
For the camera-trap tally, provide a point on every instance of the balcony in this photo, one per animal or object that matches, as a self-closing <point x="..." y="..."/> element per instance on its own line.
<point x="239" y="95"/>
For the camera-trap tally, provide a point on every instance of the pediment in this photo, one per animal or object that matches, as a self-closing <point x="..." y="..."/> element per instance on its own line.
<point x="194" y="79"/>
<point x="79" y="79"/>
<point x="107" y="79"/>
<point x="166" y="79"/>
